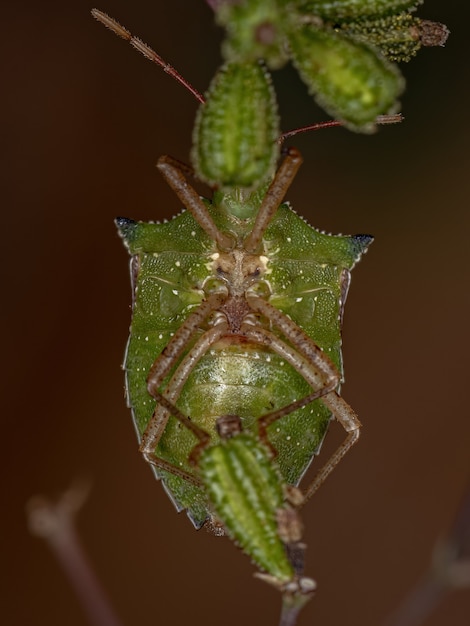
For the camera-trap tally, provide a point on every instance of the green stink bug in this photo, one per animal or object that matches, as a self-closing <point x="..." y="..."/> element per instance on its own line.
<point x="230" y="316"/>
<point x="218" y="302"/>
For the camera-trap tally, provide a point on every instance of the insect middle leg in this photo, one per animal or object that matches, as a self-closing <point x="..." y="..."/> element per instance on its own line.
<point x="166" y="361"/>
<point x="348" y="419"/>
<point x="302" y="353"/>
<point x="166" y="399"/>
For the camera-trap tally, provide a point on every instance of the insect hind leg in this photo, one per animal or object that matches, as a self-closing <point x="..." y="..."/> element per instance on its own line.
<point x="348" y="419"/>
<point x="174" y="174"/>
<point x="317" y="369"/>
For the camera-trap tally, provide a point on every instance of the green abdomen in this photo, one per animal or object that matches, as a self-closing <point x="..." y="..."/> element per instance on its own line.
<point x="248" y="381"/>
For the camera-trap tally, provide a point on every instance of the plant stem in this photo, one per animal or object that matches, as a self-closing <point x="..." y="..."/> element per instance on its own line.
<point x="55" y="523"/>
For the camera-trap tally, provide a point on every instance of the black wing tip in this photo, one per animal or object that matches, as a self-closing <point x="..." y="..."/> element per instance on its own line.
<point x="362" y="242"/>
<point x="123" y="222"/>
<point x="126" y="228"/>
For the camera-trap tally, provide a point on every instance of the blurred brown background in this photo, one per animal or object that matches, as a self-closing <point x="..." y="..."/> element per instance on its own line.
<point x="85" y="120"/>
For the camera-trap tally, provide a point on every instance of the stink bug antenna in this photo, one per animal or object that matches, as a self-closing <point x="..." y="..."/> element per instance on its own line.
<point x="380" y="119"/>
<point x="144" y="49"/>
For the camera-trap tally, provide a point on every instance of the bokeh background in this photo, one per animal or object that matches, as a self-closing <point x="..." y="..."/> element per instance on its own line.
<point x="84" y="120"/>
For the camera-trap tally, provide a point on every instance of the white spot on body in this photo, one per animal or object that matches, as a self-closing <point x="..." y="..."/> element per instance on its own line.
<point x="264" y="260"/>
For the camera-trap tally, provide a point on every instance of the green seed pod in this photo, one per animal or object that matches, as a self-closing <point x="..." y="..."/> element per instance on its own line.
<point x="245" y="490"/>
<point x="398" y="37"/>
<point x="348" y="78"/>
<point x="235" y="137"/>
<point x="254" y="31"/>
<point x="353" y="9"/>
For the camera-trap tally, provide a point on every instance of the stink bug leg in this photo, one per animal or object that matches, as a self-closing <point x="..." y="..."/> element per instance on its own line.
<point x="174" y="176"/>
<point x="273" y="198"/>
<point x="348" y="419"/>
<point x="170" y="356"/>
<point x="343" y="413"/>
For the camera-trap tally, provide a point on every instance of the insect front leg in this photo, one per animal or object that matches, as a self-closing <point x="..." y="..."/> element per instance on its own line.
<point x="174" y="173"/>
<point x="273" y="198"/>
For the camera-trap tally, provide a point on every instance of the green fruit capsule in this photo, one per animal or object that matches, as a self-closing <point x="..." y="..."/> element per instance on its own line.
<point x="348" y="78"/>
<point x="398" y="37"/>
<point x="245" y="490"/>
<point x="256" y="508"/>
<point x="235" y="137"/>
<point x="255" y="30"/>
<point x="352" y="9"/>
